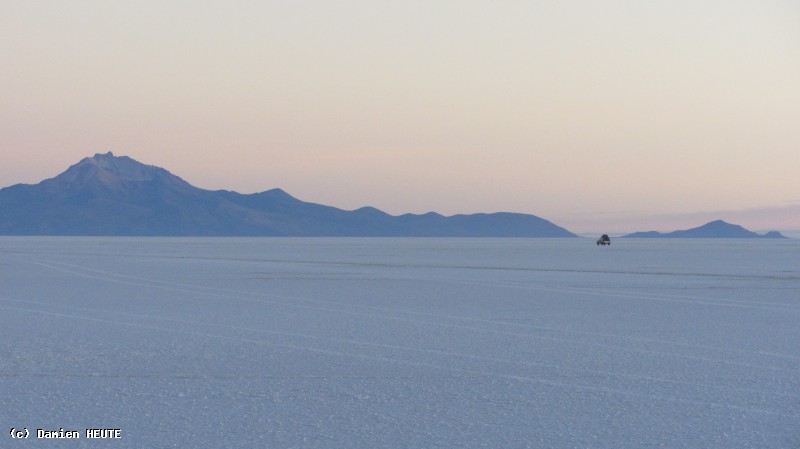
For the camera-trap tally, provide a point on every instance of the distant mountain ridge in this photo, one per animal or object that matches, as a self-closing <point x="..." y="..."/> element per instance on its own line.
<point x="714" y="229"/>
<point x="116" y="195"/>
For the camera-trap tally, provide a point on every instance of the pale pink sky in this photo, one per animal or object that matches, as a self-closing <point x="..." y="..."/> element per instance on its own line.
<point x="607" y="115"/>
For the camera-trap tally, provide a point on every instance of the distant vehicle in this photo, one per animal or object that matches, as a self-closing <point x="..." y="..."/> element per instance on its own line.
<point x="604" y="240"/>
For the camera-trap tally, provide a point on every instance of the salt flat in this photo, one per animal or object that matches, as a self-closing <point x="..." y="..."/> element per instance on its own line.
<point x="401" y="343"/>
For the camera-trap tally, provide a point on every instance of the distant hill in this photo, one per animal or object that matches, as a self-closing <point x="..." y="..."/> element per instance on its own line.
<point x="714" y="229"/>
<point x="111" y="195"/>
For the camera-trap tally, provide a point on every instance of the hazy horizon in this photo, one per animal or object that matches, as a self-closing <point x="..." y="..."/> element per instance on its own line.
<point x="614" y="116"/>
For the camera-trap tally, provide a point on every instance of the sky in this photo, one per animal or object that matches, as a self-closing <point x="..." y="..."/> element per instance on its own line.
<point x="610" y="116"/>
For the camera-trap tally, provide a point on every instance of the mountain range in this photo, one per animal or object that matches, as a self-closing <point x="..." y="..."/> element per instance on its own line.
<point x="714" y="229"/>
<point x="118" y="196"/>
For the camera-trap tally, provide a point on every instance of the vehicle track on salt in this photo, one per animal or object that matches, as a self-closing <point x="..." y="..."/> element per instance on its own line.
<point x="262" y="298"/>
<point x="520" y="378"/>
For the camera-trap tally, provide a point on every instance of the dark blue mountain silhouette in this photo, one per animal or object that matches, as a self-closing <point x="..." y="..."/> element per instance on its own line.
<point x="110" y="195"/>
<point x="714" y="229"/>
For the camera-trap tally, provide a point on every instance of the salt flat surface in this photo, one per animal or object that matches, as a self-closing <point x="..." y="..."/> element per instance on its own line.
<point x="401" y="343"/>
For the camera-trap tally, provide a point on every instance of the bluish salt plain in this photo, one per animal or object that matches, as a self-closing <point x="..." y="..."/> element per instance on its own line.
<point x="401" y="343"/>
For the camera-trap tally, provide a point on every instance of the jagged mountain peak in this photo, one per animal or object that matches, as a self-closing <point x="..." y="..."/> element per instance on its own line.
<point x="110" y="170"/>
